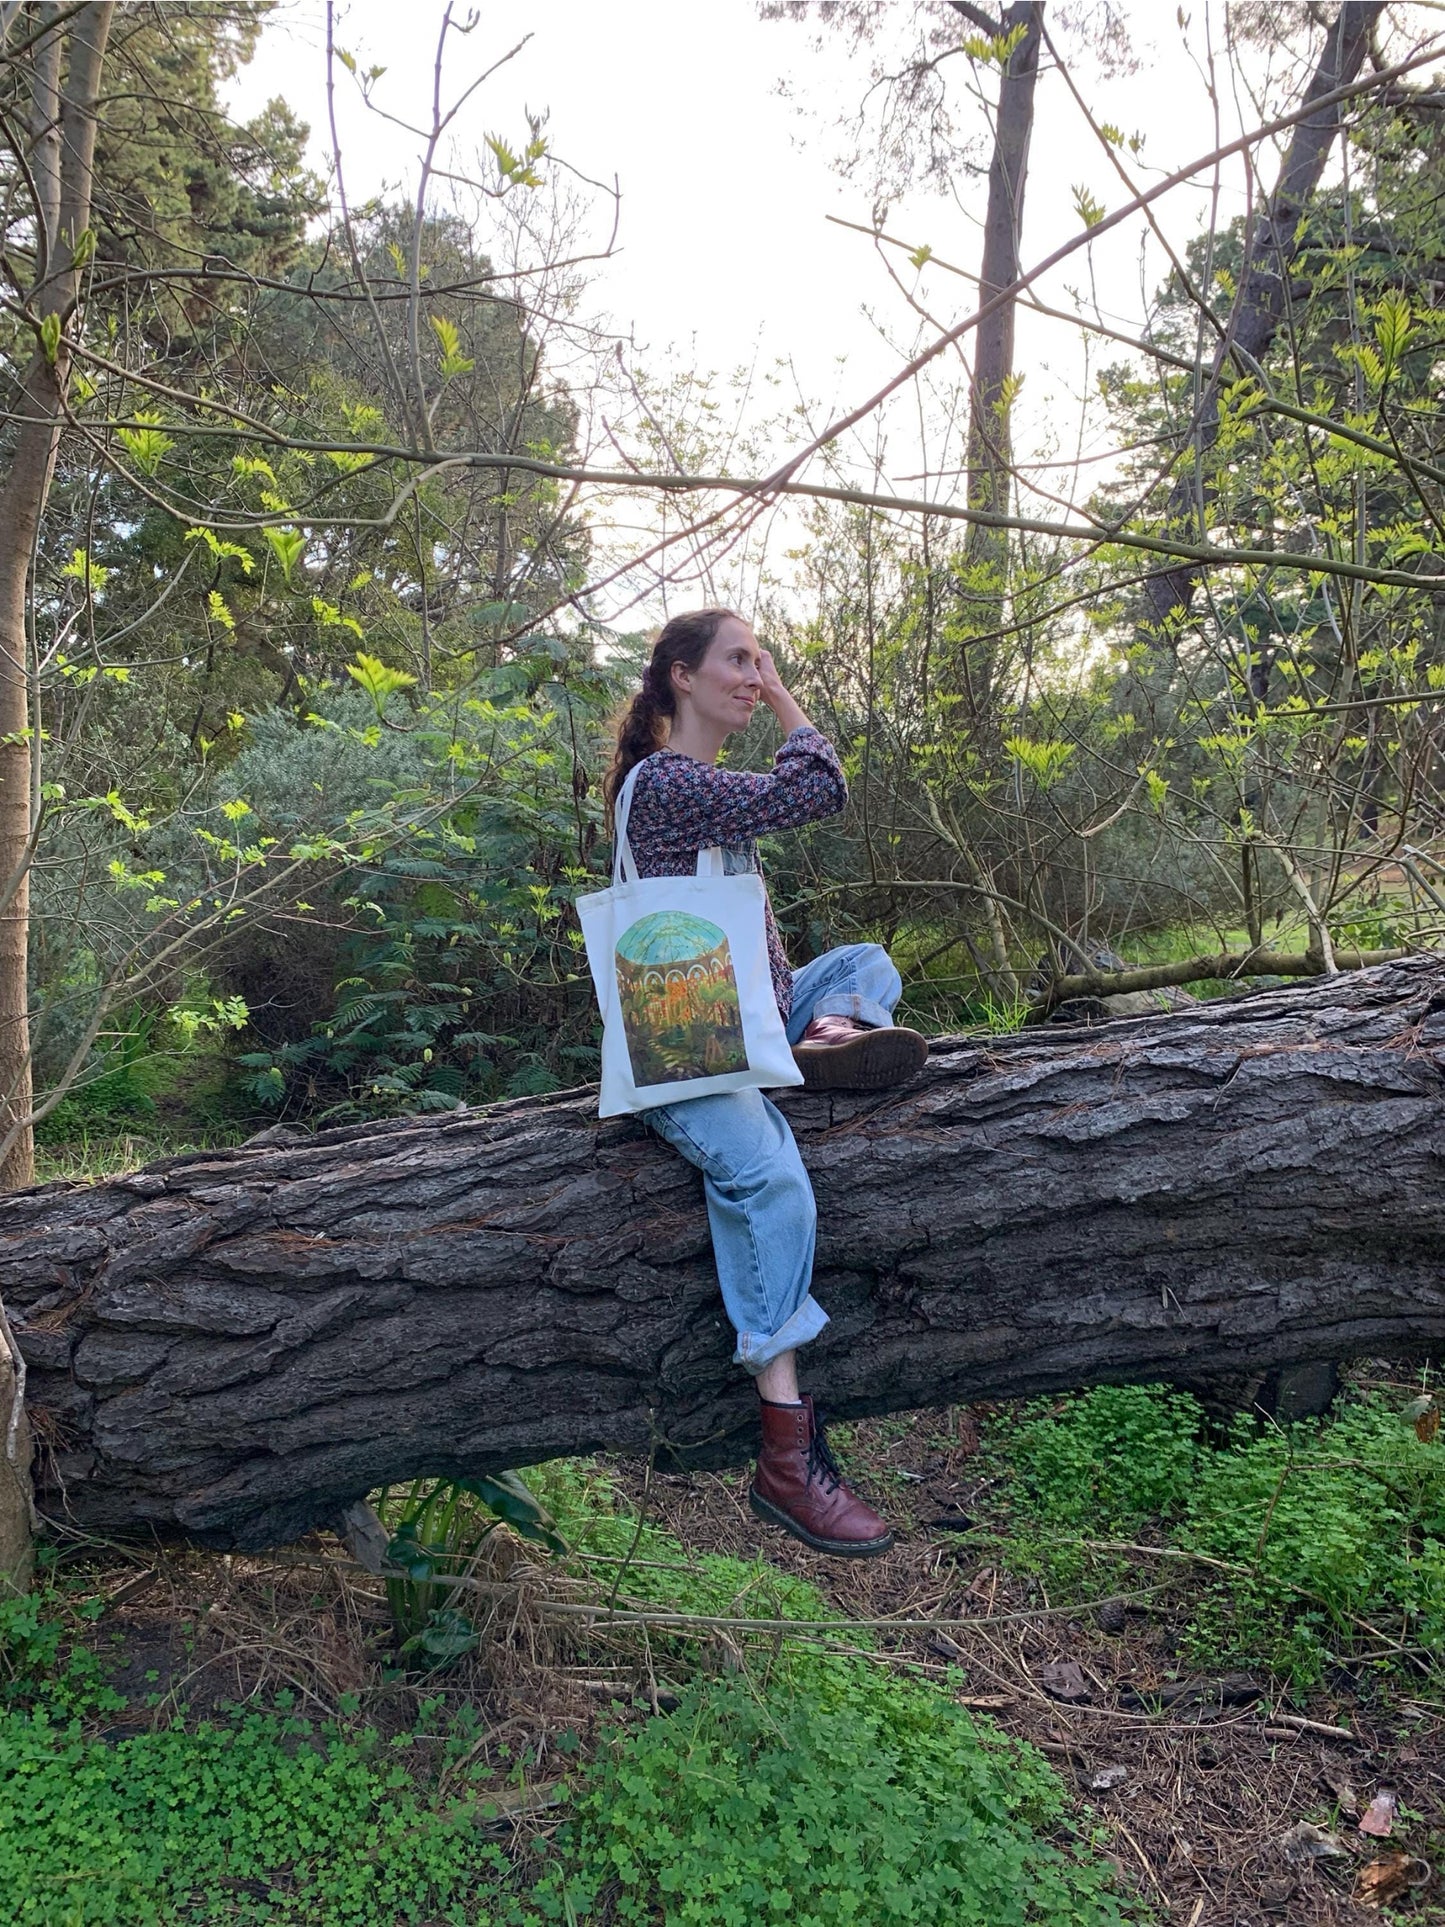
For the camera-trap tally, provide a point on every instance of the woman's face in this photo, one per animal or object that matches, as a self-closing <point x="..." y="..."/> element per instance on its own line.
<point x="724" y="689"/>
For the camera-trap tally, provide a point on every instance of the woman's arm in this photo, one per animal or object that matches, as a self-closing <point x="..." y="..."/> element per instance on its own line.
<point x="780" y="699"/>
<point x="681" y="805"/>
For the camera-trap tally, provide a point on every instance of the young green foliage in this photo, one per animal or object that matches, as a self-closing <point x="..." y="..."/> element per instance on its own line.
<point x="1311" y="1537"/>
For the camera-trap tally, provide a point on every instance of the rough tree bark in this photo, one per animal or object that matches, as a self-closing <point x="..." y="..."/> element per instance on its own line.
<point x="1262" y="300"/>
<point x="233" y="1345"/>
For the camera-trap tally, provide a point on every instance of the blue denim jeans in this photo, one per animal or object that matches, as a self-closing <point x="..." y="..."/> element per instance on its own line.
<point x="759" y="1201"/>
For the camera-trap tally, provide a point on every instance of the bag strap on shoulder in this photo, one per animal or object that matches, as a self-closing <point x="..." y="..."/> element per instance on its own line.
<point x="624" y="870"/>
<point x="624" y="865"/>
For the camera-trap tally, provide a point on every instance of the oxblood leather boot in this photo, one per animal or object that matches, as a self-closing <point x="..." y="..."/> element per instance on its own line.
<point x="842" y="1054"/>
<point x="798" y="1486"/>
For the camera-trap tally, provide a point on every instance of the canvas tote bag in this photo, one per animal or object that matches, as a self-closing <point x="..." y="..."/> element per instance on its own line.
<point x="681" y="970"/>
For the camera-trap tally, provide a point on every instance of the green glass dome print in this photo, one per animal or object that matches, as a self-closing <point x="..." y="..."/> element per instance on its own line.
<point x="680" y="1007"/>
<point x="669" y="937"/>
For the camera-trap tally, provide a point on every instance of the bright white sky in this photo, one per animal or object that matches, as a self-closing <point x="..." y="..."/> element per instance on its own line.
<point x="722" y="129"/>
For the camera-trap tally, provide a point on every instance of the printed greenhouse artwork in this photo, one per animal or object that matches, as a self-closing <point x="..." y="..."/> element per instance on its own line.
<point x="680" y="1005"/>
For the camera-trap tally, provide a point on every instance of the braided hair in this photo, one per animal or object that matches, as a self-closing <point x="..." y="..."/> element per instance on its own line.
<point x="642" y="727"/>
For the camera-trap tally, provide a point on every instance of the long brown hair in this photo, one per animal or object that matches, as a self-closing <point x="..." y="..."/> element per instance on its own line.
<point x="642" y="727"/>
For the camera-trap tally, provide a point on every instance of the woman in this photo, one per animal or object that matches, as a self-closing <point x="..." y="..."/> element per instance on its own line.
<point x="704" y="680"/>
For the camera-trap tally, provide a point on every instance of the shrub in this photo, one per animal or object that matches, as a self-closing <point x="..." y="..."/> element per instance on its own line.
<point x="1112" y="1459"/>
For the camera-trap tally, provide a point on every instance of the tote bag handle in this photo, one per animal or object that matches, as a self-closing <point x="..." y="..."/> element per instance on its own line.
<point x="624" y="867"/>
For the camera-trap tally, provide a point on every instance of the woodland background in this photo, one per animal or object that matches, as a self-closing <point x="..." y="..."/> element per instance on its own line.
<point x="335" y="532"/>
<point x="320" y="701"/>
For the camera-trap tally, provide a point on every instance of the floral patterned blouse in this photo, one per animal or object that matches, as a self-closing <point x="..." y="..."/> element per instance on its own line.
<point x="681" y="806"/>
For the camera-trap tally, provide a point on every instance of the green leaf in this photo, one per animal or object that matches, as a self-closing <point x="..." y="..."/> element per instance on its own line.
<point x="330" y="617"/>
<point x="994" y="50"/>
<point x="50" y="338"/>
<point x="1089" y="211"/>
<point x="447" y="1634"/>
<point x="516" y="170"/>
<point x="287" y="545"/>
<point x="81" y="569"/>
<point x="404" y="1551"/>
<point x="347" y="460"/>
<point x="509" y="1497"/>
<point x="148" y="444"/>
<point x="223" y="551"/>
<point x="1008" y="393"/>
<point x="252" y="465"/>
<point x="453" y="361"/>
<point x="1394" y="324"/>
<point x="377" y="678"/>
<point x="1044" y="761"/>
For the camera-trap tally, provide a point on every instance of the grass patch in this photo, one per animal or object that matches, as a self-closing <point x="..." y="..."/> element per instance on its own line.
<point x="87" y="1160"/>
<point x="648" y="1566"/>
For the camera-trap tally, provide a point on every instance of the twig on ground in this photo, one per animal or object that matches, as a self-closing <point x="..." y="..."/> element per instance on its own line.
<point x="1313" y="1726"/>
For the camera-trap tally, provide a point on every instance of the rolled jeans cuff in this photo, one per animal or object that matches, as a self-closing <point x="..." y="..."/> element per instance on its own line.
<point x="847" y="1003"/>
<point x="756" y="1352"/>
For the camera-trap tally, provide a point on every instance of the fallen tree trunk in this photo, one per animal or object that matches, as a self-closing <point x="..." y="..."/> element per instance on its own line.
<point x="234" y="1344"/>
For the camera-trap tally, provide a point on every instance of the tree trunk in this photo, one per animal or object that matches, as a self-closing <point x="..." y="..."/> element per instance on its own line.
<point x="63" y="141"/>
<point x="990" y="394"/>
<point x="17" y="1551"/>
<point x="1261" y="303"/>
<point x="235" y="1344"/>
<point x="62" y="153"/>
<point x="990" y="446"/>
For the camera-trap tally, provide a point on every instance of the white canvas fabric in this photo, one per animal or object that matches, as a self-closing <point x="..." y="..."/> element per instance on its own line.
<point x="680" y="965"/>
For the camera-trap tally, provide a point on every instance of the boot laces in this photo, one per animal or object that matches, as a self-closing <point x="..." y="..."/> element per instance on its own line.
<point x="822" y="1466"/>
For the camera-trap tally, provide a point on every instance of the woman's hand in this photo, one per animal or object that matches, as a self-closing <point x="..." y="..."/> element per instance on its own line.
<point x="788" y="712"/>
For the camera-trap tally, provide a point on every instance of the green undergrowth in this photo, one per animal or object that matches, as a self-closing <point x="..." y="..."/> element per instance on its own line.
<point x="851" y="1797"/>
<point x="808" y="1785"/>
<point x="259" y="1818"/>
<point x="253" y="1816"/>
<point x="640" y="1563"/>
<point x="1302" y="1546"/>
<point x="788" y="1783"/>
<point x="87" y="1160"/>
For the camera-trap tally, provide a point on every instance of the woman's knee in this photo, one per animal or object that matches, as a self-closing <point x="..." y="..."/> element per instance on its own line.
<point x="724" y="1134"/>
<point x="883" y="983"/>
<point x="765" y="1170"/>
<point x="788" y="1189"/>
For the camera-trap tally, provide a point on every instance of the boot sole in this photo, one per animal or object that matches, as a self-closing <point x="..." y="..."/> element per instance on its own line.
<point x="872" y="1061"/>
<point x="840" y="1548"/>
